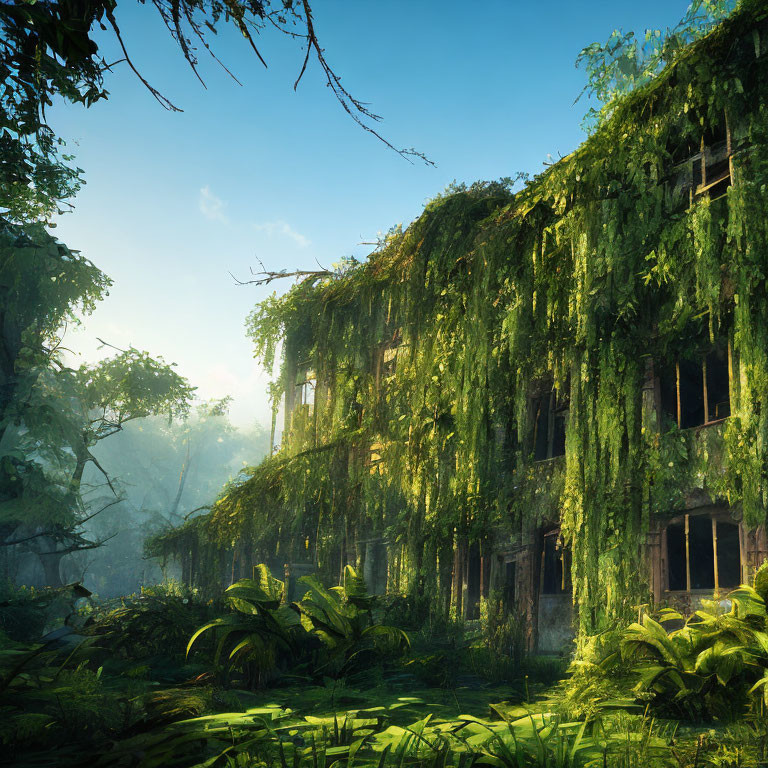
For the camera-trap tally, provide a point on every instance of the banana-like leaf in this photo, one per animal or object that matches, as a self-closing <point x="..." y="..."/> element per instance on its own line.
<point x="356" y="590"/>
<point x="264" y="594"/>
<point x="393" y="638"/>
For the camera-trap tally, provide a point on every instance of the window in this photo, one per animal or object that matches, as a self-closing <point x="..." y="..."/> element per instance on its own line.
<point x="555" y="566"/>
<point x="696" y="391"/>
<point x="703" y="552"/>
<point x="305" y="390"/>
<point x="510" y="583"/>
<point x="711" y="167"/>
<point x="706" y="171"/>
<point x="550" y="413"/>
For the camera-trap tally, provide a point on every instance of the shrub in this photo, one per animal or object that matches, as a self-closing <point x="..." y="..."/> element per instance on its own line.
<point x="156" y="622"/>
<point x="330" y="631"/>
<point x="707" y="668"/>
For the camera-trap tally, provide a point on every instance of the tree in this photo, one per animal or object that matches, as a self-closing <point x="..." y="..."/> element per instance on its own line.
<point x="68" y="413"/>
<point x="48" y="49"/>
<point x="43" y="286"/>
<point x="165" y="471"/>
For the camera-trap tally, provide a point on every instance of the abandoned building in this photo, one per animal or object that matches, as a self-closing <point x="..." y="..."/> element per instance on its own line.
<point x="554" y="397"/>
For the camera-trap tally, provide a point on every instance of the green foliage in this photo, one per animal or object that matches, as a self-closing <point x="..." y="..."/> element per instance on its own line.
<point x="704" y="669"/>
<point x="503" y="632"/>
<point x="384" y="736"/>
<point x="26" y="612"/>
<point x="760" y="582"/>
<point x="43" y="285"/>
<point x="263" y="634"/>
<point x="155" y="623"/>
<point x="579" y="280"/>
<point x="49" y="696"/>
<point x="131" y="385"/>
<point x="343" y="619"/>
<point x="258" y="634"/>
<point x="624" y="63"/>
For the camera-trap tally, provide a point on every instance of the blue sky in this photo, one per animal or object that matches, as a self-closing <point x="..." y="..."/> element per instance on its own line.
<point x="174" y="202"/>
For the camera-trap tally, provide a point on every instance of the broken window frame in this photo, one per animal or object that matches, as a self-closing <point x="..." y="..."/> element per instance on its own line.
<point x="558" y="406"/>
<point x="685" y="520"/>
<point x="709" y="171"/>
<point x="376" y="458"/>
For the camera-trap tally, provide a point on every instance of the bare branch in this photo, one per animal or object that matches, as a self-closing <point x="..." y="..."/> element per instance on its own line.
<point x="356" y="109"/>
<point x="107" y="344"/>
<point x="103" y="472"/>
<point x="197" y="509"/>
<point x="11" y="542"/>
<point x="78" y="547"/>
<point x="99" y="511"/>
<point x="162" y="100"/>
<point x="266" y="277"/>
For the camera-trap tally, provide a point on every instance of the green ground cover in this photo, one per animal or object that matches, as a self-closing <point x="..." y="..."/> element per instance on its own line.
<point x="165" y="679"/>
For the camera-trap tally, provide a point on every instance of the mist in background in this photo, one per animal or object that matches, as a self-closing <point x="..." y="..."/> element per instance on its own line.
<point x="162" y="472"/>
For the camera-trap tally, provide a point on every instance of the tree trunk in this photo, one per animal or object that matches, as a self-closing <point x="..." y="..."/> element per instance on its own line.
<point x="52" y="568"/>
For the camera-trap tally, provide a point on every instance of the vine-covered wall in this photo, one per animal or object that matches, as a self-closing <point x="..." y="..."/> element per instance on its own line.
<point x="425" y="358"/>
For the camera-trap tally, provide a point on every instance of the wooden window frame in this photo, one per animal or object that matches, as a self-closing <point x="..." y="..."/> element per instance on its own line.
<point x="303" y="387"/>
<point x="678" y="405"/>
<point x="716" y="516"/>
<point x="706" y="158"/>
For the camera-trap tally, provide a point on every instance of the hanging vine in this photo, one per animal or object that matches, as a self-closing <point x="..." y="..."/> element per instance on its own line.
<point x="584" y="279"/>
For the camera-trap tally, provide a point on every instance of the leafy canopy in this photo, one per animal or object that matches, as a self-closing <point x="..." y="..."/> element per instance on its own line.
<point x="626" y="61"/>
<point x="48" y="49"/>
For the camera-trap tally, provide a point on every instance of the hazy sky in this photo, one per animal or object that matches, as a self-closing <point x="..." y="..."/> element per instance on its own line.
<point x="174" y="202"/>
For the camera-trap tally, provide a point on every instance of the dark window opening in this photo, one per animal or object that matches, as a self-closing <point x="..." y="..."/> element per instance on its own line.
<point x="728" y="555"/>
<point x="556" y="567"/>
<point x="510" y="583"/>
<point x="541" y="429"/>
<point x="703" y="553"/>
<point x="473" y="582"/>
<point x="550" y="412"/>
<point x="718" y="385"/>
<point x="676" y="557"/>
<point x="691" y="384"/>
<point x="700" y="552"/>
<point x="697" y="391"/>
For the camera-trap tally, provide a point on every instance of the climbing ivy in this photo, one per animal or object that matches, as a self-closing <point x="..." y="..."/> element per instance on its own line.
<point x="592" y="273"/>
